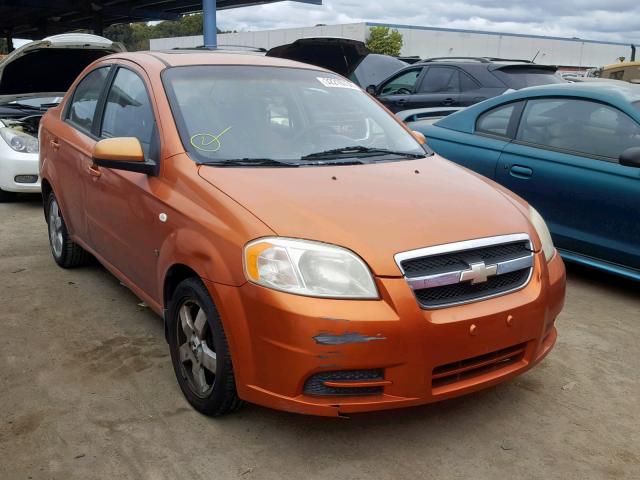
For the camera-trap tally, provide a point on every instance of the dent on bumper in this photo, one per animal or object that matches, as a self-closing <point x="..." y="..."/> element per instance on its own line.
<point x="279" y="340"/>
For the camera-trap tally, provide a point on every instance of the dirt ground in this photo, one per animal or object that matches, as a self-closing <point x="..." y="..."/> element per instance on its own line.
<point x="87" y="391"/>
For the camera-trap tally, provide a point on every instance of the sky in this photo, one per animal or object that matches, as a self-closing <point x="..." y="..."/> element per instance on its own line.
<point x="610" y="20"/>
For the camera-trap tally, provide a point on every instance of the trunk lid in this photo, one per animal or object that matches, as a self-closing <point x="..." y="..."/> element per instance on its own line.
<point x="340" y="55"/>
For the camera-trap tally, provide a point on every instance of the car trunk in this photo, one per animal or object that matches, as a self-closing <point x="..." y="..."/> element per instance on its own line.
<point x="340" y="55"/>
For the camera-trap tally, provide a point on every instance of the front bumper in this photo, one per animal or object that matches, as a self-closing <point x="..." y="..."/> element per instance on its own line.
<point x="14" y="164"/>
<point x="279" y="340"/>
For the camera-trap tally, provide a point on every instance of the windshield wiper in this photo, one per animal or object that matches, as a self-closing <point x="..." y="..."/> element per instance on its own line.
<point x="22" y="106"/>
<point x="360" y="151"/>
<point x="249" y="162"/>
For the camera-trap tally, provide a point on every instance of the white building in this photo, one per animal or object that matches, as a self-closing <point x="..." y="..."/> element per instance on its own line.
<point x="426" y="42"/>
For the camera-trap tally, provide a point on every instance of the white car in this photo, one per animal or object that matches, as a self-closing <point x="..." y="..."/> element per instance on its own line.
<point x="33" y="78"/>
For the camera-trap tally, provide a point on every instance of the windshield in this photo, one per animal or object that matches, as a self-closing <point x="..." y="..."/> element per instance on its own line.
<point x="227" y="113"/>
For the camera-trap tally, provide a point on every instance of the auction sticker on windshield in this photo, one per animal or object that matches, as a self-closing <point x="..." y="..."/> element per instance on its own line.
<point x="337" y="83"/>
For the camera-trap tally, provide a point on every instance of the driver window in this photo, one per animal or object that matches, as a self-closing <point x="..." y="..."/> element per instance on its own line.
<point x="128" y="111"/>
<point x="403" y="83"/>
<point x="579" y="126"/>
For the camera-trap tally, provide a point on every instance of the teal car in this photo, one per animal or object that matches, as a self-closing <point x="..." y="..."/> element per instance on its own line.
<point x="572" y="151"/>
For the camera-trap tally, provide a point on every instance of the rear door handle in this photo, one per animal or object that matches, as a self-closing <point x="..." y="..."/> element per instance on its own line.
<point x="448" y="101"/>
<point x="94" y="171"/>
<point x="54" y="144"/>
<point x="402" y="101"/>
<point x="521" y="172"/>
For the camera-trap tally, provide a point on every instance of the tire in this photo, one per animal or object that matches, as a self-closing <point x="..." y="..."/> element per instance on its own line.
<point x="66" y="252"/>
<point x="200" y="351"/>
<point x="6" y="196"/>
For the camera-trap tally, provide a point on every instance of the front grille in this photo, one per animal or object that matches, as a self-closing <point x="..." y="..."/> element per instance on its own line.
<point x="448" y="374"/>
<point x="315" y="384"/>
<point x="465" y="292"/>
<point x="467" y="271"/>
<point x="419" y="267"/>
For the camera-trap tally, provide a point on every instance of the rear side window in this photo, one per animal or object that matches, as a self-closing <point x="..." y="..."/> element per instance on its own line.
<point x="128" y="111"/>
<point x="403" y="83"/>
<point x="496" y="121"/>
<point x="85" y="98"/>
<point x="522" y="77"/>
<point x="580" y="126"/>
<point x="467" y="83"/>
<point x="441" y="80"/>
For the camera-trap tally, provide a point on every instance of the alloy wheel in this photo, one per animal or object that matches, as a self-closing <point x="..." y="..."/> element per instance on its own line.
<point x="198" y="360"/>
<point x="55" y="229"/>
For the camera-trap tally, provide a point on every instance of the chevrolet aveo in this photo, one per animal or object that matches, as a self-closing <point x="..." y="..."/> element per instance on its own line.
<point x="306" y="252"/>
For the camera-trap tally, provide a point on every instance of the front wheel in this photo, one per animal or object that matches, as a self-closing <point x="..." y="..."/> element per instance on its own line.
<point x="66" y="252"/>
<point x="200" y="352"/>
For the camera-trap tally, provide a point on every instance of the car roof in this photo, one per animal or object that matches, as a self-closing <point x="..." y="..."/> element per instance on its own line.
<point x="611" y="92"/>
<point x="178" y="58"/>
<point x="620" y="95"/>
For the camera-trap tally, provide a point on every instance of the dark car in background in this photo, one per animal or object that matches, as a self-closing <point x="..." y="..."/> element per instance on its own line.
<point x="459" y="82"/>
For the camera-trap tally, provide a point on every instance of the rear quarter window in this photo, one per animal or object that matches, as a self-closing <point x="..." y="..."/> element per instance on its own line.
<point x="496" y="121"/>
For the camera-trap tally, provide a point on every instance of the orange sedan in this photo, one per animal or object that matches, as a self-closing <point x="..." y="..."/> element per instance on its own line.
<point x="306" y="251"/>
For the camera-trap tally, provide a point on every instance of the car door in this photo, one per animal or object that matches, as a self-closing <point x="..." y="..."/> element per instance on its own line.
<point x="71" y="149"/>
<point x="123" y="208"/>
<point x="471" y="91"/>
<point x="481" y="150"/>
<point x="397" y="92"/>
<point x="439" y="86"/>
<point x="564" y="161"/>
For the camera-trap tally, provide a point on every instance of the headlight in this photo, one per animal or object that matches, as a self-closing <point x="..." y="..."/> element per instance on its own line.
<point x="308" y="268"/>
<point x="19" y="141"/>
<point x="543" y="233"/>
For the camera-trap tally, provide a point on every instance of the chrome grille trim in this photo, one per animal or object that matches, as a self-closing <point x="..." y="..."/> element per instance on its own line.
<point x="460" y="276"/>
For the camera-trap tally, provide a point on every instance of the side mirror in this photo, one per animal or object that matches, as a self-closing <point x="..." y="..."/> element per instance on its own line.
<point x="122" y="153"/>
<point x="630" y="157"/>
<point x="371" y="90"/>
<point x="422" y="140"/>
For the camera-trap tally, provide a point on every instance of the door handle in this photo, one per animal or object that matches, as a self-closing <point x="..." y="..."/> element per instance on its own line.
<point x="521" y="172"/>
<point x="54" y="144"/>
<point x="448" y="101"/>
<point x="94" y="171"/>
<point x="402" y="101"/>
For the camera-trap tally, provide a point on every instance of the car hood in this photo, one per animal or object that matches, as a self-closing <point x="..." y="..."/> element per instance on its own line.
<point x="340" y="55"/>
<point x="51" y="64"/>
<point x="376" y="210"/>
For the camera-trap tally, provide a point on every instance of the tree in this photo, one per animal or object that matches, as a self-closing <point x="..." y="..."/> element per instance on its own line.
<point x="385" y="41"/>
<point x="136" y="36"/>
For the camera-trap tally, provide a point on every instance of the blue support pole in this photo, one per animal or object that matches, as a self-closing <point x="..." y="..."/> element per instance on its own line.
<point x="210" y="26"/>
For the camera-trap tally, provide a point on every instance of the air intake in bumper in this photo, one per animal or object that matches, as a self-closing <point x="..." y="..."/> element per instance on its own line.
<point x="346" y="382"/>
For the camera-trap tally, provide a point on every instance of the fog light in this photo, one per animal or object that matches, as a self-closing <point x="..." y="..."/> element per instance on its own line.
<point x="26" y="178"/>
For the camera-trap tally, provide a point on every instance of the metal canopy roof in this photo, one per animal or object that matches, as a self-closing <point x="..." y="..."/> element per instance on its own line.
<point x="39" y="18"/>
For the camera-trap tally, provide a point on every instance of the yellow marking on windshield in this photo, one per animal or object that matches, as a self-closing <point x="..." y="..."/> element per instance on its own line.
<point x="208" y="142"/>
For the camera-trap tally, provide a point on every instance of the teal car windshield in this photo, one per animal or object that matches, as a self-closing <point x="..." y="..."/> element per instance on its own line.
<point x="271" y="115"/>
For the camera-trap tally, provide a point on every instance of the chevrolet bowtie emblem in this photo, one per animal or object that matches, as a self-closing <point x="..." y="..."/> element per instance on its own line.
<point x="478" y="273"/>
